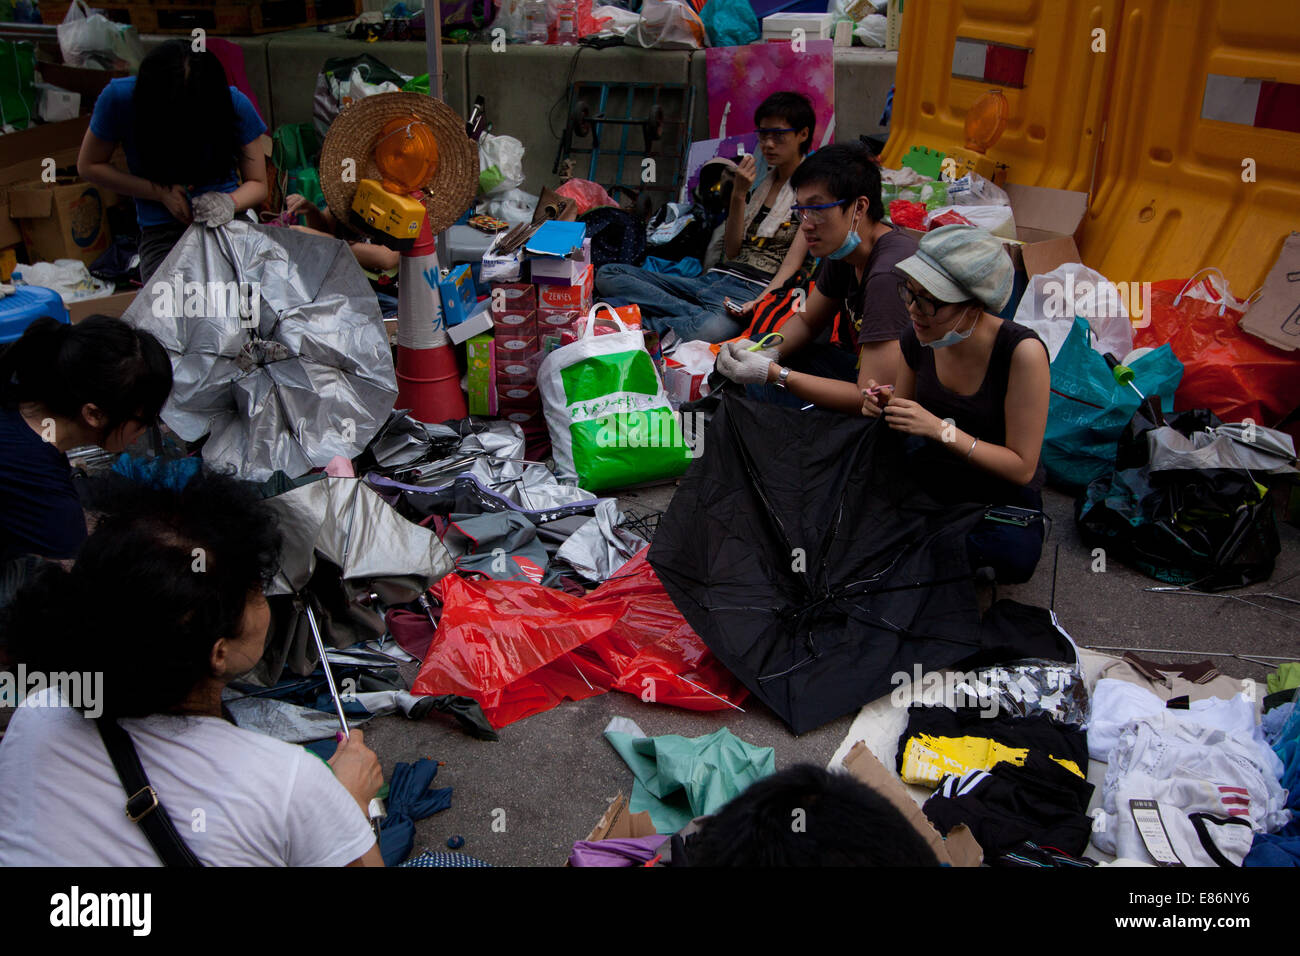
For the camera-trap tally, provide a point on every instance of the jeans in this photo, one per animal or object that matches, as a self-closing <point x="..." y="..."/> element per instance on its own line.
<point x="824" y="361"/>
<point x="690" y="307"/>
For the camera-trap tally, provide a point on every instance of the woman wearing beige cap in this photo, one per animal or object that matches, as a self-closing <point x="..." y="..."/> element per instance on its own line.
<point x="974" y="391"/>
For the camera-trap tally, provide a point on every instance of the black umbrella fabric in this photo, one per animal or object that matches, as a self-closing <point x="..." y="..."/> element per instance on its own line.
<point x="806" y="557"/>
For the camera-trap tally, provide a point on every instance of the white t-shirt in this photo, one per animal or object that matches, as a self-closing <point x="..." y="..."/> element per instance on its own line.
<point x="237" y="798"/>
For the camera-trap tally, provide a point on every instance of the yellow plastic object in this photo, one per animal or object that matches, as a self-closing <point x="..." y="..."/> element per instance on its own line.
<point x="1185" y="179"/>
<point x="387" y="212"/>
<point x="986" y="121"/>
<point x="406" y="153"/>
<point x="1053" y="124"/>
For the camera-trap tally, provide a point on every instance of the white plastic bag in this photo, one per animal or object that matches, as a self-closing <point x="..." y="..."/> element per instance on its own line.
<point x="668" y="25"/>
<point x="995" y="219"/>
<point x="1053" y="299"/>
<point x="974" y="190"/>
<point x="514" y="207"/>
<point x="507" y="154"/>
<point x="68" y="277"/>
<point x="91" y="39"/>
<point x="870" y="30"/>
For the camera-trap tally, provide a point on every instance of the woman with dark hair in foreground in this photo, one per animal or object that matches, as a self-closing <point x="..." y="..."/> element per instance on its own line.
<point x="99" y="382"/>
<point x="162" y="609"/>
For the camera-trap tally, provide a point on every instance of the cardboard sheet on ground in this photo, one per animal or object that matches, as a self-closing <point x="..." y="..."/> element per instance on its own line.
<point x="681" y="778"/>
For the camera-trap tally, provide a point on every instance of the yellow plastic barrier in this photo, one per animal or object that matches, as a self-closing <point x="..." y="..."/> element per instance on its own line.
<point x="1045" y="55"/>
<point x="1201" y="160"/>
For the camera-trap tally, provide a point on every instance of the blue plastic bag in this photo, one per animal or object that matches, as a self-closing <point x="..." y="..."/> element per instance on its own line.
<point x="730" y="23"/>
<point x="1089" y="409"/>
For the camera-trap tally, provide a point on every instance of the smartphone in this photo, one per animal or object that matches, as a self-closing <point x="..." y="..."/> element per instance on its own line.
<point x="732" y="307"/>
<point x="1009" y="514"/>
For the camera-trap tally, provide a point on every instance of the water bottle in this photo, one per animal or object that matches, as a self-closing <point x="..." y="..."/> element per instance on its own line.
<point x="535" y="28"/>
<point x="566" y="22"/>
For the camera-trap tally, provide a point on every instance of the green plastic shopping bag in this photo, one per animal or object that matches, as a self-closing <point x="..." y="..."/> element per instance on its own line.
<point x="610" y="421"/>
<point x="17" y="83"/>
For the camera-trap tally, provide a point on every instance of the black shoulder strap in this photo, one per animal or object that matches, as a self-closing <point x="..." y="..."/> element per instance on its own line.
<point x="142" y="804"/>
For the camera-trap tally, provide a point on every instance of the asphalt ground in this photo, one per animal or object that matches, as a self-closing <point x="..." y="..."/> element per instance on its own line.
<point x="524" y="800"/>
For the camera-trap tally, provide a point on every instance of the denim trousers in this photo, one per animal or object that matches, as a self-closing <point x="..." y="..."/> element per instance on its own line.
<point x="689" y="306"/>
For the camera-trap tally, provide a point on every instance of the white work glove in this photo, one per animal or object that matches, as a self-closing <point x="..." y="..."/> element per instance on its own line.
<point x="214" y="209"/>
<point x="742" y="366"/>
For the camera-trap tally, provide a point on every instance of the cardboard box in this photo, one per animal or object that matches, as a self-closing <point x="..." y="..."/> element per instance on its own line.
<point x="518" y="298"/>
<point x="549" y="320"/>
<point x="618" y="823"/>
<point x="554" y="271"/>
<point x="499" y="268"/>
<point x="54" y="104"/>
<point x="562" y="297"/>
<point x="1275" y="316"/>
<point x="516" y="349"/>
<point x="87" y="82"/>
<point x="1048" y="222"/>
<point x="681" y="385"/>
<point x="480" y="379"/>
<point x="512" y="325"/>
<point x="459" y="297"/>
<point x="511" y="395"/>
<point x="525" y="418"/>
<point x="64" y="220"/>
<point x="478" y="323"/>
<point x="779" y="27"/>
<point x="959" y="849"/>
<point x="112" y="305"/>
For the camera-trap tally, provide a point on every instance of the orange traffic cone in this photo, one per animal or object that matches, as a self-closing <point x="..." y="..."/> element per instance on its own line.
<point x="428" y="379"/>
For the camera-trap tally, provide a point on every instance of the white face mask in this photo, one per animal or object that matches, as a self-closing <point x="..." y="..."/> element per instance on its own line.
<point x="952" y="337"/>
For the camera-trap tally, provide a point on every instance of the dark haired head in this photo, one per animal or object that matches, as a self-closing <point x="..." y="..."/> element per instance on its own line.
<point x="100" y="361"/>
<point x="847" y="171"/>
<point x="808" y="816"/>
<point x="164" y="576"/>
<point x="794" y="109"/>
<point x="186" y="130"/>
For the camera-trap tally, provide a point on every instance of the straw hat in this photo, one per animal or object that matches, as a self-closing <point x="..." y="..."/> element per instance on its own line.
<point x="352" y="136"/>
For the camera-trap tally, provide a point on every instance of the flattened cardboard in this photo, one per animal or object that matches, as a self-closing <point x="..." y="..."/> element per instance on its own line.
<point x="1275" y="316"/>
<point x="110" y="305"/>
<point x="959" y="849"/>
<point x="619" y="824"/>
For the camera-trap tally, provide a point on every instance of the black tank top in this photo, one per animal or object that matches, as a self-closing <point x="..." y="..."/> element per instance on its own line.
<point x="982" y="415"/>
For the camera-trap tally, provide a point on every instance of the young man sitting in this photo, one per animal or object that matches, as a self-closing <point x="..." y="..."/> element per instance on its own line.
<point x="762" y="244"/>
<point x="840" y="212"/>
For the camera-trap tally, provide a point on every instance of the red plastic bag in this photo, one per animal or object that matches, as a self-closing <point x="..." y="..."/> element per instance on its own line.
<point x="519" y="648"/>
<point x="1226" y="370"/>
<point x="652" y="652"/>
<point x="908" y="214"/>
<point x="585" y="193"/>
<point x="497" y="640"/>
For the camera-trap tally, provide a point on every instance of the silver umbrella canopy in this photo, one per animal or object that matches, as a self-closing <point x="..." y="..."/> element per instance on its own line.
<point x="278" y="349"/>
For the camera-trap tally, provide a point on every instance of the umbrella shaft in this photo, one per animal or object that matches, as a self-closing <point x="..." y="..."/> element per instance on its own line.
<point x="325" y="666"/>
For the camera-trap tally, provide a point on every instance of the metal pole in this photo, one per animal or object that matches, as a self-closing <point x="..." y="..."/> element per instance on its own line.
<point x="433" y="46"/>
<point x="325" y="666"/>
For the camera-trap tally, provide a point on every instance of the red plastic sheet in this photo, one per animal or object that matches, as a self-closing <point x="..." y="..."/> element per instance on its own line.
<point x="519" y="648"/>
<point x="1226" y="370"/>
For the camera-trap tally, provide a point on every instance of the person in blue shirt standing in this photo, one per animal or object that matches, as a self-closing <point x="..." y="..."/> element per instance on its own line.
<point x="191" y="146"/>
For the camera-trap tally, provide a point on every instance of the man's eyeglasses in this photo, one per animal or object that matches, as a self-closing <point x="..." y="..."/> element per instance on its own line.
<point x="926" y="305"/>
<point x="775" y="133"/>
<point x="816" y="215"/>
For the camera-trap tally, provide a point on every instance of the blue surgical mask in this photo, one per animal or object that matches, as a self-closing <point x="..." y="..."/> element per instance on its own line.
<point x="952" y="337"/>
<point x="851" y="241"/>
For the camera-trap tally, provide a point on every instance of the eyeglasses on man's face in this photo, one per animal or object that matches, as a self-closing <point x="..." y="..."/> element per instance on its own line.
<point x="774" y="133"/>
<point x="814" y="215"/>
